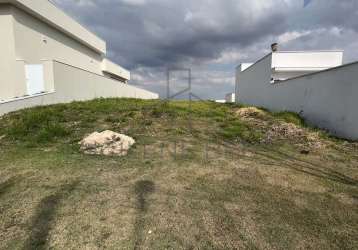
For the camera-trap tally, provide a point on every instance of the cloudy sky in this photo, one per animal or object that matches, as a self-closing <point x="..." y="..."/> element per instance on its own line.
<point x="212" y="36"/>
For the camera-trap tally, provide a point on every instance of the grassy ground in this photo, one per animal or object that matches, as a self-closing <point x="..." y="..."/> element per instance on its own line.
<point x="209" y="176"/>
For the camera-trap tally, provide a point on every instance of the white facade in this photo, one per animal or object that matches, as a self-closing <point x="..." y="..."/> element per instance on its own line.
<point x="289" y="64"/>
<point x="325" y="94"/>
<point x="34" y="33"/>
<point x="230" y="98"/>
<point x="74" y="84"/>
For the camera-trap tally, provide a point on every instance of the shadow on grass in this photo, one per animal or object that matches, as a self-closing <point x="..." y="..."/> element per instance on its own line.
<point x="307" y="167"/>
<point x="44" y="217"/>
<point x="7" y="185"/>
<point x="142" y="190"/>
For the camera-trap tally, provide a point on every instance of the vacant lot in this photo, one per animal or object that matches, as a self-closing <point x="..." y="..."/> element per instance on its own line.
<point x="208" y="176"/>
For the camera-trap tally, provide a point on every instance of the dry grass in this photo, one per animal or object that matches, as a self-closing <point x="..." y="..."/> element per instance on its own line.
<point x="222" y="190"/>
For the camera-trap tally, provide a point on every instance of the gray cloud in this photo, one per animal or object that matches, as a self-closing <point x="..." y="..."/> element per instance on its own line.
<point x="212" y="36"/>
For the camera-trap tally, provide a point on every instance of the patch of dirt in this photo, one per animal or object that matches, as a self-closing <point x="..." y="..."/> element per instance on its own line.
<point x="107" y="143"/>
<point x="275" y="130"/>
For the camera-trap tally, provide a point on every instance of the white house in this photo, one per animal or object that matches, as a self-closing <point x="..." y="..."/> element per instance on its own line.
<point x="230" y="98"/>
<point x="314" y="84"/>
<point x="47" y="57"/>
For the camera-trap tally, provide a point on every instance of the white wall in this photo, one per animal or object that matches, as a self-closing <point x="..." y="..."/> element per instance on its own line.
<point x="22" y="42"/>
<point x="26" y="39"/>
<point x="307" y="59"/>
<point x="73" y="84"/>
<point x="30" y="46"/>
<point x="46" y="11"/>
<point x="76" y="84"/>
<point x="327" y="99"/>
<point x="9" y="82"/>
<point x="230" y="98"/>
<point x="112" y="68"/>
<point x="290" y="64"/>
<point x="288" y="74"/>
<point x="250" y="87"/>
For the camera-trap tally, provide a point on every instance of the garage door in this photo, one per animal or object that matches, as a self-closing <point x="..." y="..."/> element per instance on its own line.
<point x="34" y="79"/>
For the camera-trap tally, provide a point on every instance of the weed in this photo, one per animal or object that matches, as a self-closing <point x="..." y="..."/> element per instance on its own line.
<point x="290" y="117"/>
<point x="240" y="130"/>
<point x="40" y="125"/>
<point x="113" y="119"/>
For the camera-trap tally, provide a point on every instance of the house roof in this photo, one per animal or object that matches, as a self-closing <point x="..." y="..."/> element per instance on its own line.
<point x="301" y="67"/>
<point x="49" y="13"/>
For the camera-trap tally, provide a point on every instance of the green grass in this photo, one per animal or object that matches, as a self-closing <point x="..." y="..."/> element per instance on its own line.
<point x="238" y="130"/>
<point x="41" y="125"/>
<point x="199" y="177"/>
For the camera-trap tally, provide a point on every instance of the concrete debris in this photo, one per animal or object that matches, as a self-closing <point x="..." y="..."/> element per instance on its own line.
<point x="107" y="143"/>
<point x="285" y="130"/>
<point x="274" y="130"/>
<point x="295" y="134"/>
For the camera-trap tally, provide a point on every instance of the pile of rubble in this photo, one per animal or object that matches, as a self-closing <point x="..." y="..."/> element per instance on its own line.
<point x="251" y="112"/>
<point x="284" y="130"/>
<point x="279" y="130"/>
<point x="294" y="133"/>
<point x="107" y="143"/>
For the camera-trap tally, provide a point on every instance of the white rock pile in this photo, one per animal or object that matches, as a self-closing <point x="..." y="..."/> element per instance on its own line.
<point x="107" y="143"/>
